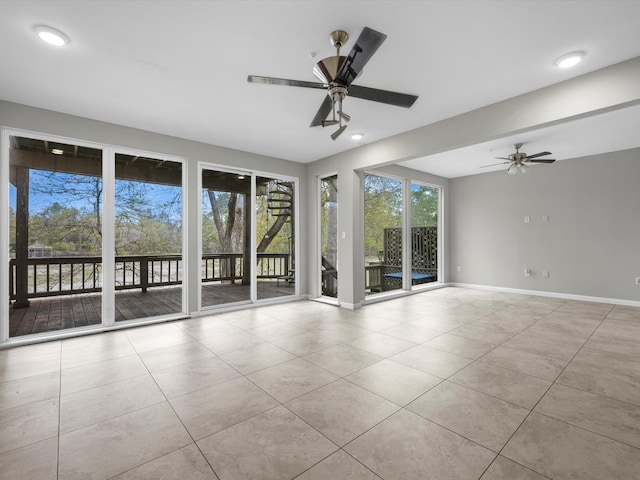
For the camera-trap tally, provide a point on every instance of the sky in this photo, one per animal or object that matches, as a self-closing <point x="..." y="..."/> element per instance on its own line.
<point x="154" y="194"/>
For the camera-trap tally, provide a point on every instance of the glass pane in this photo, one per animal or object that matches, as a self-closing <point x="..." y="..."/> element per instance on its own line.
<point x="55" y="236"/>
<point x="148" y="237"/>
<point x="329" y="235"/>
<point x="382" y="234"/>
<point x="225" y="268"/>
<point x="424" y="234"/>
<point x="275" y="270"/>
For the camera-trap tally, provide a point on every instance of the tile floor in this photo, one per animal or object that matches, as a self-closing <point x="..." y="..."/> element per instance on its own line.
<point x="447" y="384"/>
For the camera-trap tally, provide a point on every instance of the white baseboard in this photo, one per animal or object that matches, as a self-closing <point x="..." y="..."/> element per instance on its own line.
<point x="351" y="306"/>
<point x="566" y="296"/>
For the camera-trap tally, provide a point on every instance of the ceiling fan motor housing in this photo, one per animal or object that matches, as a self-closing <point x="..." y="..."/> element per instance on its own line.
<point x="327" y="69"/>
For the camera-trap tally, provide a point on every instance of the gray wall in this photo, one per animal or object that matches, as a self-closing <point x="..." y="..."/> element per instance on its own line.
<point x="590" y="245"/>
<point x="611" y="88"/>
<point x="17" y="116"/>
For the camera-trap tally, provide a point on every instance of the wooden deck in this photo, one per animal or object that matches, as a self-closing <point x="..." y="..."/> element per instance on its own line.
<point x="69" y="311"/>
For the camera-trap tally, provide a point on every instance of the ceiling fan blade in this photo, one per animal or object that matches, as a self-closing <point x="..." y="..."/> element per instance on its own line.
<point x="284" y="81"/>
<point x="541" y="160"/>
<point x="536" y="155"/>
<point x="323" y="111"/>
<point x="382" y="96"/>
<point x="367" y="44"/>
<point x="503" y="158"/>
<point x="494" y="164"/>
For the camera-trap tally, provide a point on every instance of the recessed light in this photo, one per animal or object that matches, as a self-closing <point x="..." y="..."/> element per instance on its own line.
<point x="357" y="136"/>
<point x="57" y="151"/>
<point x="569" y="60"/>
<point x="51" y="36"/>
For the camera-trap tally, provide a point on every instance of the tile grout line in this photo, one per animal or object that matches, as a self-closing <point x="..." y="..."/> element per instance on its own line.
<point x="522" y="422"/>
<point x="166" y="399"/>
<point x="545" y="393"/>
<point x="382" y="357"/>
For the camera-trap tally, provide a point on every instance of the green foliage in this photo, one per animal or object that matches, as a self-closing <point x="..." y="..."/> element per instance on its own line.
<point x="148" y="219"/>
<point x="329" y="218"/>
<point x="424" y="206"/>
<point x="382" y="209"/>
<point x="66" y="230"/>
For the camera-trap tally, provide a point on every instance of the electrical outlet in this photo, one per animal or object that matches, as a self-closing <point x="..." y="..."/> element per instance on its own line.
<point x="637" y="280"/>
<point x="545" y="273"/>
<point x="459" y="268"/>
<point x="545" y="218"/>
<point x="527" y="272"/>
<point x="527" y="219"/>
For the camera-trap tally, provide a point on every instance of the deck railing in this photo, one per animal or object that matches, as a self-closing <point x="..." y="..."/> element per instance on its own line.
<point x="373" y="278"/>
<point x="51" y="276"/>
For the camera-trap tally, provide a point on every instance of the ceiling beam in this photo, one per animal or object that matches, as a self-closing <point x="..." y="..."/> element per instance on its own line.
<point x="601" y="91"/>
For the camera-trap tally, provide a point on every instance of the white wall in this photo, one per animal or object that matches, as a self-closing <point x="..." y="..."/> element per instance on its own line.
<point x="590" y="245"/>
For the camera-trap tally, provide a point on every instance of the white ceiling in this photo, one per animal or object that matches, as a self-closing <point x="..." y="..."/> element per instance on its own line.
<point x="607" y="132"/>
<point x="180" y="68"/>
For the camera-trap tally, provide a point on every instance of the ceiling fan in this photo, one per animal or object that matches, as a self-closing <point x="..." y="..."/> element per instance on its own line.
<point x="519" y="160"/>
<point x="337" y="74"/>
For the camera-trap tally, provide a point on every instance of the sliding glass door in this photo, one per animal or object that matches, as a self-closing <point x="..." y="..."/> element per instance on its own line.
<point x="148" y="237"/>
<point x="383" y="233"/>
<point x="247" y="237"/>
<point x="95" y="236"/>
<point x="275" y="237"/>
<point x="55" y="236"/>
<point x="226" y="246"/>
<point x="394" y="261"/>
<point x="425" y="205"/>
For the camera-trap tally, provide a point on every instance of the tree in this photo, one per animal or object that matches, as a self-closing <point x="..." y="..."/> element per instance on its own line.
<point x="424" y="206"/>
<point x="66" y="215"/>
<point x="75" y="192"/>
<point x="227" y="213"/>
<point x="66" y="230"/>
<point x="274" y="218"/>
<point x="382" y="209"/>
<point x="148" y="218"/>
<point x="12" y="233"/>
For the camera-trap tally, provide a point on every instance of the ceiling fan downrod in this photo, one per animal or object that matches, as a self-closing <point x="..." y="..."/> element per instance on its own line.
<point x="337" y="94"/>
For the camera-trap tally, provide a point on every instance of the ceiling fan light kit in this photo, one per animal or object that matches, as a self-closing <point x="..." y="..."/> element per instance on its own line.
<point x="338" y="132"/>
<point x="519" y="161"/>
<point x="337" y="73"/>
